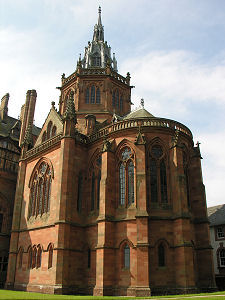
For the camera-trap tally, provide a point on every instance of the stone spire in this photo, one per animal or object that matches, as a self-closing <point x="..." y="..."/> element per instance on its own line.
<point x="98" y="54"/>
<point x="98" y="29"/>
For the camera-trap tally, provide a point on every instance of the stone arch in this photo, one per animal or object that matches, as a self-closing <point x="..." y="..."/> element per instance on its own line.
<point x="42" y="159"/>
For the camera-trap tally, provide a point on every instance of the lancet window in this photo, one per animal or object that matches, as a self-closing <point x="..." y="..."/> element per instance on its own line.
<point x="161" y="255"/>
<point x="51" y="132"/>
<point x="126" y="257"/>
<point x="93" y="95"/>
<point x="126" y="177"/>
<point x="40" y="190"/>
<point x="158" y="175"/>
<point x="96" y="61"/>
<point x="50" y="256"/>
<point x="117" y="100"/>
<point x="95" y="183"/>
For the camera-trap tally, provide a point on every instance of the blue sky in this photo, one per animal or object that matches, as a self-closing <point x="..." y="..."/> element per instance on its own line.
<point x="174" y="50"/>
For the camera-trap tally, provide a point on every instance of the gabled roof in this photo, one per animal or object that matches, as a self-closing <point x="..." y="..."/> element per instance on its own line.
<point x="138" y="113"/>
<point x="216" y="215"/>
<point x="11" y="127"/>
<point x="56" y="119"/>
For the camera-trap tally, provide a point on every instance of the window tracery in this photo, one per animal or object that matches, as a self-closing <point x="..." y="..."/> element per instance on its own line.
<point x="222" y="258"/>
<point x="126" y="177"/>
<point x="40" y="190"/>
<point x="92" y="95"/>
<point x="158" y="175"/>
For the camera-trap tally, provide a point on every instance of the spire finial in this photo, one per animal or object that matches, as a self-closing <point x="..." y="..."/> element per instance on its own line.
<point x="142" y="103"/>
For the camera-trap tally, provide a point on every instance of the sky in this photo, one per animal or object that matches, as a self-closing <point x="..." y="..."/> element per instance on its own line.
<point x="173" y="49"/>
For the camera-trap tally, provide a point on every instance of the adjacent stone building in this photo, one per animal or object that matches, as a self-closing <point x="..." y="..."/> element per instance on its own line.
<point x="217" y="234"/>
<point x="108" y="201"/>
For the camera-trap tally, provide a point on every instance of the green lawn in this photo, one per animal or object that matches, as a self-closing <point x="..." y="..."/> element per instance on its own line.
<point x="5" y="294"/>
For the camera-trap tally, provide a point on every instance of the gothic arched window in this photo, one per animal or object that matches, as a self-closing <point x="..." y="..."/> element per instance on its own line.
<point x="158" y="175"/>
<point x="49" y="130"/>
<point x="126" y="257"/>
<point x="95" y="183"/>
<point x="126" y="177"/>
<point x="96" y="61"/>
<point x="34" y="257"/>
<point x="50" y="256"/>
<point x="30" y="257"/>
<point x="92" y="95"/>
<point x="114" y="99"/>
<point x="20" y="254"/>
<point x="40" y="190"/>
<point x="39" y="256"/>
<point x="121" y="103"/>
<point x="161" y="255"/>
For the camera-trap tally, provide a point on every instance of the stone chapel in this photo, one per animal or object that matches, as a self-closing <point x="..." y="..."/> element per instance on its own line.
<point x="108" y="201"/>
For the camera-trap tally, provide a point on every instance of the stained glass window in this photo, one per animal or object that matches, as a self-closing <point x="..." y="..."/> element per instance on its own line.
<point x="157" y="151"/>
<point x="122" y="184"/>
<point x="130" y="182"/>
<point x="153" y="180"/>
<point x="40" y="191"/>
<point x="163" y="182"/>
<point x="126" y="177"/>
<point x="158" y="175"/>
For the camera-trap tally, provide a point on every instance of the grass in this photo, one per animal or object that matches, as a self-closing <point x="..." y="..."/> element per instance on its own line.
<point x="6" y="294"/>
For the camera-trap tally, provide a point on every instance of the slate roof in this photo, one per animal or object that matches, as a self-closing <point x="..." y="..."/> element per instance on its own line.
<point x="8" y="123"/>
<point x="216" y="215"/>
<point x="138" y="113"/>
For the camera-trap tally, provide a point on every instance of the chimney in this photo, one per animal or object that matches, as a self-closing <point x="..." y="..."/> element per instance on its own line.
<point x="27" y="113"/>
<point x="4" y="107"/>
